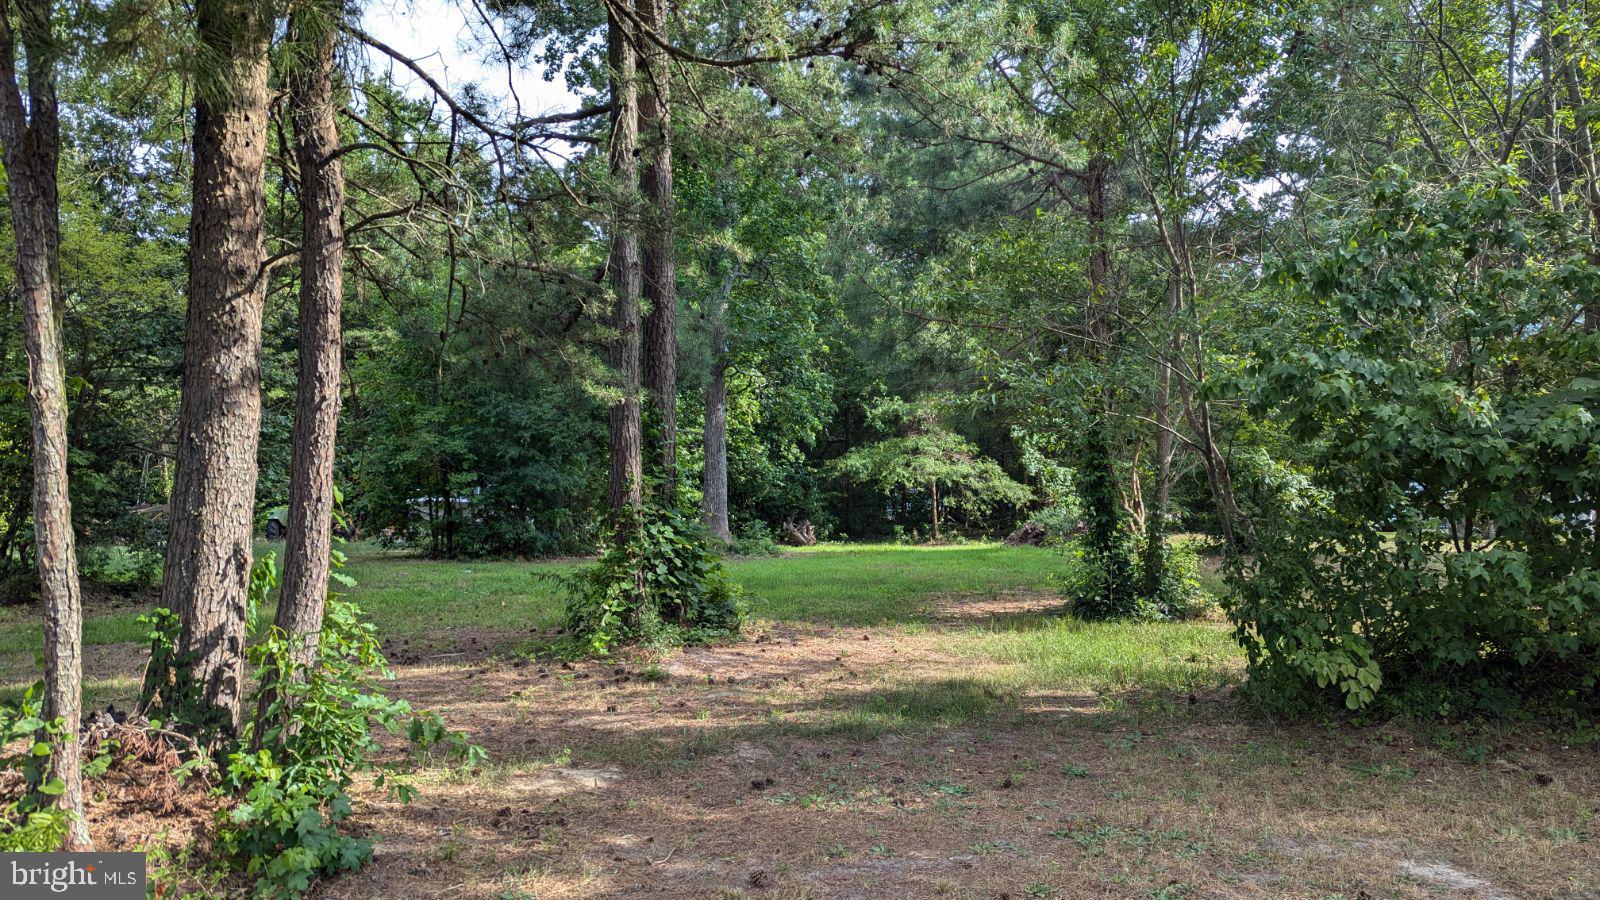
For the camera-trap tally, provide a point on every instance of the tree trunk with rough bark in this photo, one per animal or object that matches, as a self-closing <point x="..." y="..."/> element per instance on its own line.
<point x="213" y="496"/>
<point x="627" y="464"/>
<point x="31" y="134"/>
<point x="714" y="486"/>
<point x="308" y="544"/>
<point x="659" y="247"/>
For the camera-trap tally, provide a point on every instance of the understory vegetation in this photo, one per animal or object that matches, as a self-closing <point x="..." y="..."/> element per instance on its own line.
<point x="319" y="705"/>
<point x="398" y="397"/>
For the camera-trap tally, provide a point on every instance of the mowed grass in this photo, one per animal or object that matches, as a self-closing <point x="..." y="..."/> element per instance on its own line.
<point x="404" y="594"/>
<point x="21" y="633"/>
<point x="879" y="585"/>
<point x="1066" y="653"/>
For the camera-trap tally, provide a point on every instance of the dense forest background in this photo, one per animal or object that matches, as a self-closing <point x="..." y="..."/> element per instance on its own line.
<point x="1284" y="275"/>
<point x="1276" y="323"/>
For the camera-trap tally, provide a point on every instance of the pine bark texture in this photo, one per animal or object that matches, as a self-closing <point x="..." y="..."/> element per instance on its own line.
<point x="209" y="546"/>
<point x="659" y="247"/>
<point x="308" y="548"/>
<point x="623" y="266"/>
<point x="31" y="135"/>
<point x="714" y="484"/>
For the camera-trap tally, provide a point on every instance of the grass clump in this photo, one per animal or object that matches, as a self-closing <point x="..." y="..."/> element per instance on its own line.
<point x="1108" y="656"/>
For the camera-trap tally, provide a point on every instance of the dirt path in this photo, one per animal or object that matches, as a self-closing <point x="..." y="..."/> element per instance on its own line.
<point x="840" y="762"/>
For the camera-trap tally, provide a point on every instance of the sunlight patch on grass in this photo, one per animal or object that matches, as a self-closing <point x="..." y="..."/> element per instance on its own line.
<point x="97" y="692"/>
<point x="1067" y="653"/>
<point x="878" y="584"/>
<point x="21" y="633"/>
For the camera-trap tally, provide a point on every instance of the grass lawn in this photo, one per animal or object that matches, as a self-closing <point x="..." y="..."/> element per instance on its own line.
<point x="410" y="597"/>
<point x="837" y="584"/>
<point x="840" y="584"/>
<point x="907" y="721"/>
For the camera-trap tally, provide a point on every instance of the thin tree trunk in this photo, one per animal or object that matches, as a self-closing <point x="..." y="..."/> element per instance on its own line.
<point x="213" y="495"/>
<point x="308" y="545"/>
<point x="1099" y="311"/>
<point x="1237" y="532"/>
<point x="1155" y="540"/>
<point x="32" y="154"/>
<point x="1551" y="157"/>
<point x="933" y="492"/>
<point x="714" y="491"/>
<point x="627" y="468"/>
<point x="1096" y="189"/>
<point x="1584" y="151"/>
<point x="659" y="248"/>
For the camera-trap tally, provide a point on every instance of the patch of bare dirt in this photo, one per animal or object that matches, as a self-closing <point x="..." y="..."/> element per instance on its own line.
<point x="971" y="610"/>
<point x="791" y="764"/>
<point x="810" y="761"/>
<point x="446" y="645"/>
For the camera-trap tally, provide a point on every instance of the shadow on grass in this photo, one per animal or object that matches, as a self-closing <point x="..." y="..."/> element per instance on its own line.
<point x="903" y="707"/>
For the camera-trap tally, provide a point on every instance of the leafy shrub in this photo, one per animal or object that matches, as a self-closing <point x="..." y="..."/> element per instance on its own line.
<point x="32" y="822"/>
<point x="313" y="734"/>
<point x="1178" y="593"/>
<point x="755" y="539"/>
<point x="662" y="582"/>
<point x="1062" y="514"/>
<point x="1445" y="389"/>
<point x="1061" y="522"/>
<point x="124" y="569"/>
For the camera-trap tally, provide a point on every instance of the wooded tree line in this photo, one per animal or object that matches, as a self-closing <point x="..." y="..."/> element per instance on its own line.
<point x="1312" y="279"/>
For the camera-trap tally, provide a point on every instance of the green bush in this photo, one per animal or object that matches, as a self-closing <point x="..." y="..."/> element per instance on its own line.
<point x="123" y="569"/>
<point x="311" y="733"/>
<point x="1178" y="592"/>
<point x="662" y="582"/>
<point x="314" y="735"/>
<point x="1444" y="548"/>
<point x="32" y="822"/>
<point x="755" y="539"/>
<point x="1061" y="522"/>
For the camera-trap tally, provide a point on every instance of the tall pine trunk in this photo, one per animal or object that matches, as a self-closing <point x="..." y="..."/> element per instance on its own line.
<point x="213" y="495"/>
<point x="660" y="248"/>
<point x="308" y="543"/>
<point x="627" y="466"/>
<point x="307" y="550"/>
<point x="714" y="486"/>
<point x="32" y="153"/>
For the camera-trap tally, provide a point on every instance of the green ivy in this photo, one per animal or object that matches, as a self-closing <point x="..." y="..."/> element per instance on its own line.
<point x="291" y="769"/>
<point x="1105" y="587"/>
<point x="32" y="822"/>
<point x="660" y="581"/>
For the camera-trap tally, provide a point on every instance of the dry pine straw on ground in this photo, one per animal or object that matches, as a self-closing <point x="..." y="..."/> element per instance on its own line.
<point x="137" y="802"/>
<point x="779" y="766"/>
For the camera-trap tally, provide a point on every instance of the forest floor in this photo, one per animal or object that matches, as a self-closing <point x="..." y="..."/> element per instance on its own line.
<point x="903" y="722"/>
